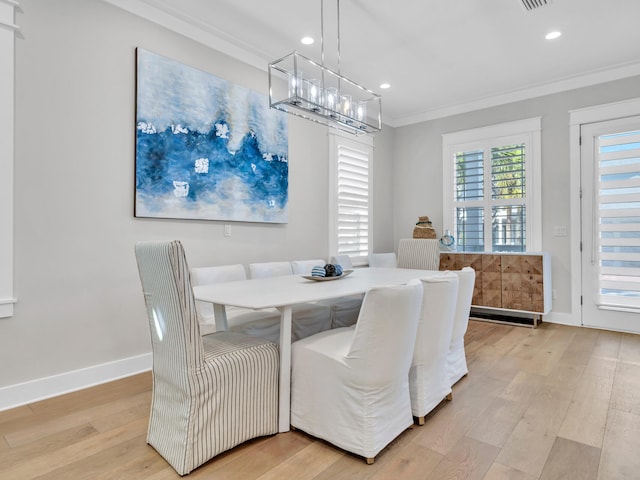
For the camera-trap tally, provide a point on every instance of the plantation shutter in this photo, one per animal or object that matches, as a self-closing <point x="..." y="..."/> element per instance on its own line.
<point x="491" y="195"/>
<point x="505" y="204"/>
<point x="617" y="226"/>
<point x="469" y="194"/>
<point x="509" y="193"/>
<point x="353" y="201"/>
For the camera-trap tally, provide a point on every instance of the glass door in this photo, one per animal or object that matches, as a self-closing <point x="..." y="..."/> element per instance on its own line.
<point x="610" y="216"/>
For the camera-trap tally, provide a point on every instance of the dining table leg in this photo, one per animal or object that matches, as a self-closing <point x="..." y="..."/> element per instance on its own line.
<point x="220" y="316"/>
<point x="285" y="369"/>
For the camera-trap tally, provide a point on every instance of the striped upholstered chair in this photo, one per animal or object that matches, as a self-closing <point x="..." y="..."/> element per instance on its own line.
<point x="420" y="253"/>
<point x="212" y="392"/>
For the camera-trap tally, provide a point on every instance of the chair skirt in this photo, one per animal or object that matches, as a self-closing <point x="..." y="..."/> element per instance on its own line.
<point x="330" y="405"/>
<point x="189" y="426"/>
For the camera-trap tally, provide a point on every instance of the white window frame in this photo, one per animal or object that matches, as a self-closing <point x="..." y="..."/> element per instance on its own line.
<point x="527" y="131"/>
<point x="364" y="144"/>
<point x="7" y="42"/>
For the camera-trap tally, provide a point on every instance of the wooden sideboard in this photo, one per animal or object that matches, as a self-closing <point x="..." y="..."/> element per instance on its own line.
<point x="512" y="282"/>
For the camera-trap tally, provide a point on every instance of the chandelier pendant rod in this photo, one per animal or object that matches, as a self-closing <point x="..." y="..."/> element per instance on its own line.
<point x="322" y="32"/>
<point x="322" y="35"/>
<point x="338" y="28"/>
<point x="355" y="110"/>
<point x="322" y="38"/>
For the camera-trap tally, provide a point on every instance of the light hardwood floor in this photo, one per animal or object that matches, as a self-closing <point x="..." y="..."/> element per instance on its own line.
<point x="552" y="403"/>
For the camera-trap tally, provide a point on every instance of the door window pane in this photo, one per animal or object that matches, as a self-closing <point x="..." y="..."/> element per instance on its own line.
<point x="618" y="223"/>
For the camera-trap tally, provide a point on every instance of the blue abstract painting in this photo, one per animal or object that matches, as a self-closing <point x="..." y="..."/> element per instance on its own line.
<point x="206" y="148"/>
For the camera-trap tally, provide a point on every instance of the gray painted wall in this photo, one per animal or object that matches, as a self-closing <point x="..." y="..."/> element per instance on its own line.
<point x="417" y="163"/>
<point x="79" y="297"/>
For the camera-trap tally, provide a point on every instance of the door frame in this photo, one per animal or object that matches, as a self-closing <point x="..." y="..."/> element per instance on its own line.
<point x="578" y="117"/>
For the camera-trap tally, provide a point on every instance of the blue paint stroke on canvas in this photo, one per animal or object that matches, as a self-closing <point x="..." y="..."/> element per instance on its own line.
<point x="206" y="148"/>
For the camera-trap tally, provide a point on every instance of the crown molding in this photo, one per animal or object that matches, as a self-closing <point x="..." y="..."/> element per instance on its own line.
<point x="158" y="12"/>
<point x="173" y="20"/>
<point x="571" y="83"/>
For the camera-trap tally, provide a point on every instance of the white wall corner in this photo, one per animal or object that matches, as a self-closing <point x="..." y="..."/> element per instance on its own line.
<point x="562" y="318"/>
<point x="28" y="392"/>
<point x="7" y="55"/>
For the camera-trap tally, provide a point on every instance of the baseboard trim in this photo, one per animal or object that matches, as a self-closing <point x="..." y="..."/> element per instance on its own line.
<point x="562" y="319"/>
<point x="35" y="390"/>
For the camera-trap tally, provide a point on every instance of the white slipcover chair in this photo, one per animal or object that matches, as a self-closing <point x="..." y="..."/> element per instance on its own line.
<point x="306" y="318"/>
<point x="429" y="375"/>
<point x="212" y="392"/>
<point x="457" y="359"/>
<point x="419" y="253"/>
<point x="387" y="260"/>
<point x="269" y="269"/>
<point x="259" y="323"/>
<point x="344" y="261"/>
<point x="303" y="267"/>
<point x="344" y="310"/>
<point x="350" y="386"/>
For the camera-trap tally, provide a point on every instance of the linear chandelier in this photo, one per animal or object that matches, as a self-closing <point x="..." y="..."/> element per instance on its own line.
<point x="307" y="89"/>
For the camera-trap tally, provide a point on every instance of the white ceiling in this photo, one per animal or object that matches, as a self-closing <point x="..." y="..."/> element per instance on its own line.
<point x="440" y="56"/>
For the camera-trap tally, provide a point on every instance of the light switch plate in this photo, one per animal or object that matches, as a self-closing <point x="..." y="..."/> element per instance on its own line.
<point x="560" y="231"/>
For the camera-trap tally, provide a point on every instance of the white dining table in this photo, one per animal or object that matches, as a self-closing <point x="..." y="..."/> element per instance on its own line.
<point x="285" y="291"/>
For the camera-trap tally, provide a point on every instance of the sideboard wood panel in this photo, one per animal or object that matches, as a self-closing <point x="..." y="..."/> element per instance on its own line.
<point x="514" y="282"/>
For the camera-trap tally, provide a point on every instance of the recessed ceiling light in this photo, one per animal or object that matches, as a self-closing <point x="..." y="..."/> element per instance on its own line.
<point x="553" y="35"/>
<point x="384" y="86"/>
<point x="307" y="40"/>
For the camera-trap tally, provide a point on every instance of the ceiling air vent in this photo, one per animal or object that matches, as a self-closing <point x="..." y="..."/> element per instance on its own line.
<point x="529" y="5"/>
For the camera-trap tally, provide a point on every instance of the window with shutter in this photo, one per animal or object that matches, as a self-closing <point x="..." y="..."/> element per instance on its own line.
<point x="491" y="193"/>
<point x="350" y="197"/>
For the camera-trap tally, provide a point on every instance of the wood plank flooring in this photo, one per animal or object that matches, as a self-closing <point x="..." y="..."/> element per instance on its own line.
<point x="553" y="403"/>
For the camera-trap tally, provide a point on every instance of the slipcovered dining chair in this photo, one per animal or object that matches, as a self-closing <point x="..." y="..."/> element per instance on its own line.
<point x="387" y="260"/>
<point x="303" y="267"/>
<point x="457" y="360"/>
<point x="269" y="269"/>
<point x="344" y="310"/>
<point x="258" y="323"/>
<point x="209" y="276"/>
<point x="344" y="390"/>
<point x="306" y="318"/>
<point x="429" y="375"/>
<point x="343" y="260"/>
<point x="419" y="253"/>
<point x="212" y="392"/>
